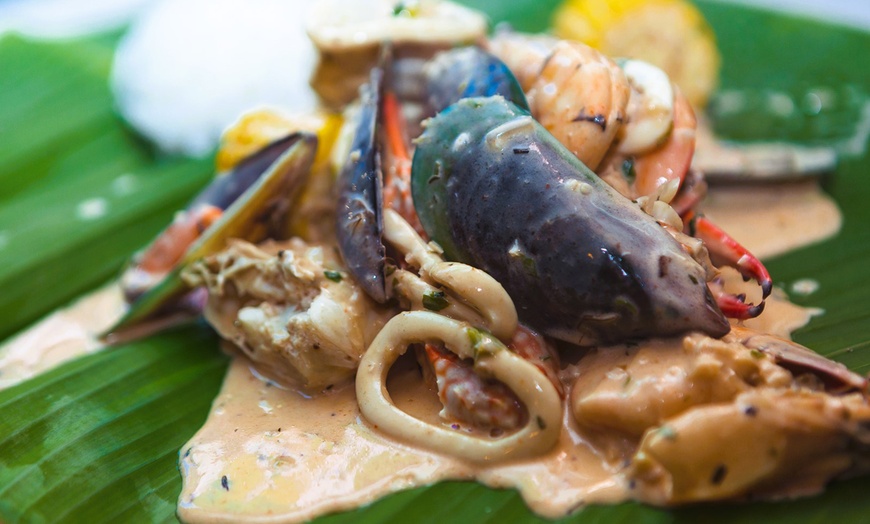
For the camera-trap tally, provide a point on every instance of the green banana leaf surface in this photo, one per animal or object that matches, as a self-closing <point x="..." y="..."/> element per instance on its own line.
<point x="97" y="439"/>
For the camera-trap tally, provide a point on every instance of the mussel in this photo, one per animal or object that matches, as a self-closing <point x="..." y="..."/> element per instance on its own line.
<point x="583" y="263"/>
<point x="448" y="77"/>
<point x="251" y="202"/>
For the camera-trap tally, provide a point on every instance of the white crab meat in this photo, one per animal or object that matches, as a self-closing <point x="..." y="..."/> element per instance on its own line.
<point x="290" y="308"/>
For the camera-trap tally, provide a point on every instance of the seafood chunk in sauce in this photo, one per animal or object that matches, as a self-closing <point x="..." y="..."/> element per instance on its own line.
<point x="290" y="308"/>
<point x="716" y="419"/>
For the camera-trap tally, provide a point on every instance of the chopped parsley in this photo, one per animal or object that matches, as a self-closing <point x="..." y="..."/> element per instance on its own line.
<point x="335" y="276"/>
<point x="434" y="300"/>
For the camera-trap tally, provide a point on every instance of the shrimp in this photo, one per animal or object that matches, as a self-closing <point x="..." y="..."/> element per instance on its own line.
<point x="587" y="117"/>
<point x="672" y="159"/>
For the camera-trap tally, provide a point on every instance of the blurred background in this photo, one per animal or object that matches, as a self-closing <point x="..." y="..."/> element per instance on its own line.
<point x="60" y="18"/>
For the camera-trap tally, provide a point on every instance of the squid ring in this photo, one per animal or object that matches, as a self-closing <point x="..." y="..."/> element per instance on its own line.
<point x="476" y="288"/>
<point x="491" y="359"/>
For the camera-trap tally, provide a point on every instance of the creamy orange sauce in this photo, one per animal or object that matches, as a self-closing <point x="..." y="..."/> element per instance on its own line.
<point x="287" y="458"/>
<point x="269" y="454"/>
<point x="61" y="336"/>
<point x="772" y="220"/>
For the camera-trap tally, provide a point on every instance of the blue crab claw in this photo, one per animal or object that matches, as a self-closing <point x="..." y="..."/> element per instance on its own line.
<point x="582" y="263"/>
<point x="250" y="202"/>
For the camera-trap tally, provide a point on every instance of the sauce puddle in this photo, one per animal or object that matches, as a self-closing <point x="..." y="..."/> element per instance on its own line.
<point x="61" y="336"/>
<point x="268" y="454"/>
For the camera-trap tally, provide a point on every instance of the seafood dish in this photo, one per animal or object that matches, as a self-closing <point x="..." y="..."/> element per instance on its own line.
<point x="520" y="214"/>
<point x="484" y="256"/>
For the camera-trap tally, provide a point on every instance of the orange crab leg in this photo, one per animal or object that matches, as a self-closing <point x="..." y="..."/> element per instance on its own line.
<point x="469" y="398"/>
<point x="734" y="306"/>
<point x="397" y="186"/>
<point x="725" y="250"/>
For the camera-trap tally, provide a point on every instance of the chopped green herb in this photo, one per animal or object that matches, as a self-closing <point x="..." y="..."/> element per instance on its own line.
<point x="541" y="423"/>
<point x="335" y="276"/>
<point x="475" y="337"/>
<point x="435" y="300"/>
<point x="756" y="354"/>
<point x="693" y="279"/>
<point x="668" y="433"/>
<point x="628" y="170"/>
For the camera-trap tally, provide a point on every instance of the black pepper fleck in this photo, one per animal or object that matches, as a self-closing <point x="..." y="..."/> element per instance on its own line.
<point x="719" y="474"/>
<point x="225" y="483"/>
<point x="664" y="261"/>
<point x="598" y="120"/>
<point x="750" y="411"/>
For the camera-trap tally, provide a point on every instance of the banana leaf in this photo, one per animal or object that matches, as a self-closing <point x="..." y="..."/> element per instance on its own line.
<point x="96" y="440"/>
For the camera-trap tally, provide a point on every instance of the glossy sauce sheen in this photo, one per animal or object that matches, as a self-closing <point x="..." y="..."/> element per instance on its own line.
<point x="268" y="454"/>
<point x="61" y="336"/>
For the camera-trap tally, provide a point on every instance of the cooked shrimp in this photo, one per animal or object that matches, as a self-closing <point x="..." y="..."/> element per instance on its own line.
<point x="672" y="159"/>
<point x="575" y="92"/>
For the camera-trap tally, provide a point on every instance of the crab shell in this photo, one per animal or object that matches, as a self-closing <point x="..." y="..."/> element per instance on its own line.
<point x="583" y="263"/>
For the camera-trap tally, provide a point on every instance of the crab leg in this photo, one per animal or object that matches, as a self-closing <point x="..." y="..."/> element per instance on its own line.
<point x="469" y="398"/>
<point x="397" y="163"/>
<point x="724" y="250"/>
<point x="734" y="306"/>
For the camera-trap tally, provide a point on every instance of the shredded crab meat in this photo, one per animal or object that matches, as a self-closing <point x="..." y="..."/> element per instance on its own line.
<point x="289" y="309"/>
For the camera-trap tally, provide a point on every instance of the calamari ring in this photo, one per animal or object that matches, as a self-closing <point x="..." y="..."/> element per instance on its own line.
<point x="476" y="288"/>
<point x="491" y="359"/>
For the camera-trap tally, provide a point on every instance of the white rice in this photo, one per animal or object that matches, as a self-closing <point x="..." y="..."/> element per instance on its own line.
<point x="187" y="69"/>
